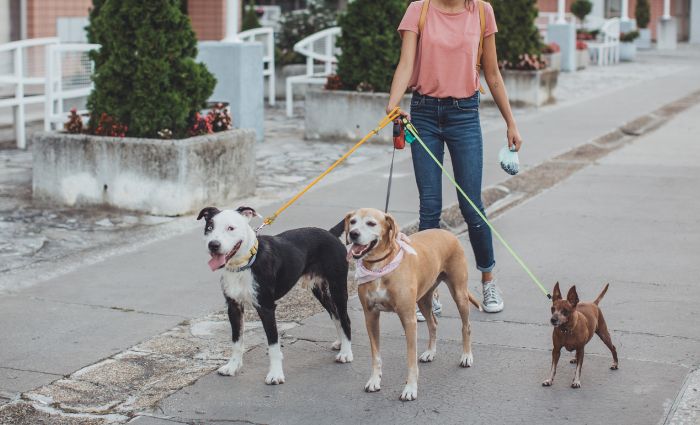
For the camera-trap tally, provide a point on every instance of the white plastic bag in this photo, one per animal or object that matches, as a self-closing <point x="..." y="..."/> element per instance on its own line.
<point x="509" y="161"/>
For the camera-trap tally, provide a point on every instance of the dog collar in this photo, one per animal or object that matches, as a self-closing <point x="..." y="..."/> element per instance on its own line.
<point x="252" y="255"/>
<point x="364" y="275"/>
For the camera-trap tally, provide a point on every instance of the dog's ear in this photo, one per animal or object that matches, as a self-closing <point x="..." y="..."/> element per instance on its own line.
<point x="392" y="227"/>
<point x="572" y="296"/>
<point x="247" y="212"/>
<point x="207" y="213"/>
<point x="346" y="226"/>
<point x="556" y="294"/>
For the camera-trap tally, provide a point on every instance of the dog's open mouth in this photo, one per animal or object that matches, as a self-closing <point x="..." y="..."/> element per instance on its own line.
<point x="358" y="251"/>
<point x="219" y="260"/>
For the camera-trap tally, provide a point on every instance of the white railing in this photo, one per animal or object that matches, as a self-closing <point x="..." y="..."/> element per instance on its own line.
<point x="267" y="37"/>
<point x="544" y="19"/>
<point x="68" y="78"/>
<point x="26" y="72"/>
<point x="606" y="51"/>
<point x="328" y="57"/>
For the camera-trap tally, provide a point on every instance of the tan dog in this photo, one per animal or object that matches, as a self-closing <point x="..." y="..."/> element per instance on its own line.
<point x="575" y="323"/>
<point x="438" y="257"/>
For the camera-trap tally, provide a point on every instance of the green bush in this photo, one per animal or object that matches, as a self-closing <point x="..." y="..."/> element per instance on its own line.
<point x="628" y="37"/>
<point x="146" y="77"/>
<point x="298" y="24"/>
<point x="581" y="8"/>
<point x="517" y="34"/>
<point x="370" y="44"/>
<point x="250" y="17"/>
<point x="642" y="13"/>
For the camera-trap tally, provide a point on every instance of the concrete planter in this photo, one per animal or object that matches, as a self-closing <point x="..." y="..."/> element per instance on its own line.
<point x="583" y="58"/>
<point x="553" y="60"/>
<point x="348" y="115"/>
<point x="530" y="88"/>
<point x="643" y="42"/>
<point x="281" y="74"/>
<point x="161" y="177"/>
<point x="628" y="51"/>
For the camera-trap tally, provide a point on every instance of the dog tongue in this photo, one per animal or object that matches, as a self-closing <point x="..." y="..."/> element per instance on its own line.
<point x="217" y="261"/>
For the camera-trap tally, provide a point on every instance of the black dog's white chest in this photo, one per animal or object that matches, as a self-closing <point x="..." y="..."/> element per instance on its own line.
<point x="240" y="286"/>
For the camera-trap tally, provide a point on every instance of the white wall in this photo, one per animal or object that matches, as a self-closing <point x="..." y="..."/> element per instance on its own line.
<point x="695" y="21"/>
<point x="4" y="21"/>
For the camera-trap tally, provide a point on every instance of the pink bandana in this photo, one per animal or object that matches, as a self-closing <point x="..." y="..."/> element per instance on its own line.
<point x="364" y="275"/>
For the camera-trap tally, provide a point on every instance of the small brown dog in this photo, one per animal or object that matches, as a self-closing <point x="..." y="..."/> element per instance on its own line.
<point x="575" y="323"/>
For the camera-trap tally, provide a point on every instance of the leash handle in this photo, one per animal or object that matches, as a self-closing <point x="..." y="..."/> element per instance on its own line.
<point x="409" y="127"/>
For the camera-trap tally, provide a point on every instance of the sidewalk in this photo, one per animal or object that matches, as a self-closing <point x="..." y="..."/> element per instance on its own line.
<point x="92" y="313"/>
<point x="630" y="220"/>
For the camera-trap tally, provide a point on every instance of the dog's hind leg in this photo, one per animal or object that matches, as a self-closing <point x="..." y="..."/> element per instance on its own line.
<point x="267" y="316"/>
<point x="425" y="305"/>
<point x="604" y="335"/>
<point x="235" y="318"/>
<point x="335" y="303"/>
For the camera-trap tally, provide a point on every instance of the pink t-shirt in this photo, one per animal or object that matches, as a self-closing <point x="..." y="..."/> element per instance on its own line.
<point x="446" y="58"/>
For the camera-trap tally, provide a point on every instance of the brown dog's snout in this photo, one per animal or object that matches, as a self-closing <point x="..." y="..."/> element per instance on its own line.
<point x="554" y="320"/>
<point x="214" y="246"/>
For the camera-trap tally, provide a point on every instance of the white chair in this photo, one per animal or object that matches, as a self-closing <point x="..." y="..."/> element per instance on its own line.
<point x="266" y="36"/>
<point x="307" y="47"/>
<point x="606" y="51"/>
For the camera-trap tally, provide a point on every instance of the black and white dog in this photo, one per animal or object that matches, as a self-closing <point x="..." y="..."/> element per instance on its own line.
<point x="259" y="270"/>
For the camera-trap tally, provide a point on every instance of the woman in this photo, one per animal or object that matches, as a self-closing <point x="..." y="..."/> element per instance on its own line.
<point x="440" y="65"/>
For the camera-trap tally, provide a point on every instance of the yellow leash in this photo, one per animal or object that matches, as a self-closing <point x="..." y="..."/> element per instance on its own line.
<point x="394" y="114"/>
<point x="412" y="130"/>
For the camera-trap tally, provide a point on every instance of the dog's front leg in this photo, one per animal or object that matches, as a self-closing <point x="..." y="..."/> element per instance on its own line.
<point x="235" y="318"/>
<point x="409" y="322"/>
<point x="556" y="352"/>
<point x="276" y="374"/>
<point x="372" y="323"/>
<point x="576" y="383"/>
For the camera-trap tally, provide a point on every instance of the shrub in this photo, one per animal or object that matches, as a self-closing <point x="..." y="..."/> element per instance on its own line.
<point x="628" y="37"/>
<point x="220" y="118"/>
<point x="517" y="33"/>
<point x="146" y="78"/>
<point x="370" y="45"/>
<point x="581" y="8"/>
<point x="333" y="82"/>
<point x="298" y="24"/>
<point x="200" y="125"/>
<point x="551" y="48"/>
<point x="250" y="17"/>
<point x="109" y="126"/>
<point x="74" y="125"/>
<point x="642" y="13"/>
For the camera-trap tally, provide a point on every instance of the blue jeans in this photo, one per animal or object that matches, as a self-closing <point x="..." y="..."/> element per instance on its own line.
<point x="455" y="123"/>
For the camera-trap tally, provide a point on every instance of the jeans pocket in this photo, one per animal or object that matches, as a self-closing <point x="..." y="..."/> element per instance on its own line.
<point x="467" y="105"/>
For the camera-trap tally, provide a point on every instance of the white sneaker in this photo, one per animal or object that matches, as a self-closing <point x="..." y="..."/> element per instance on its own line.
<point x="493" y="303"/>
<point x="437" y="310"/>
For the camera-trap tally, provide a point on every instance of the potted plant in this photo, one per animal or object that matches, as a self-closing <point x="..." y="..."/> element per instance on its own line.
<point x="642" y="14"/>
<point x="146" y="146"/>
<point x="582" y="55"/>
<point x="552" y="55"/>
<point x="580" y="9"/>
<point x="628" y="48"/>
<point x="250" y="17"/>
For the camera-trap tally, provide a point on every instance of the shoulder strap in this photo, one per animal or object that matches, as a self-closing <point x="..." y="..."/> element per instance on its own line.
<point x="482" y="20"/>
<point x="423" y="16"/>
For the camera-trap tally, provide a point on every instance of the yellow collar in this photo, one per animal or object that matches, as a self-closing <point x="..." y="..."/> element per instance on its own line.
<point x="245" y="263"/>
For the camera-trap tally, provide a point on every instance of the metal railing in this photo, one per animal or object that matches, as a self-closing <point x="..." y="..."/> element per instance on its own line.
<point x="26" y="71"/>
<point x="328" y="57"/>
<point x="267" y="37"/>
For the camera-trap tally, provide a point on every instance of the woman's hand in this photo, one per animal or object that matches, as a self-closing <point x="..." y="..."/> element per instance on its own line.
<point x="403" y="113"/>
<point x="514" y="139"/>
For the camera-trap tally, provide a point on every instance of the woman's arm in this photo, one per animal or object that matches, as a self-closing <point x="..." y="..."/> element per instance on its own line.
<point x="404" y="70"/>
<point x="489" y="62"/>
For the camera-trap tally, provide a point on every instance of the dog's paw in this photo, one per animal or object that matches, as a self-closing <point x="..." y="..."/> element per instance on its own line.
<point x="373" y="385"/>
<point x="410" y="392"/>
<point x="614" y="366"/>
<point x="344" y="357"/>
<point x="547" y="383"/>
<point x="576" y="384"/>
<point x="274" y="378"/>
<point x="230" y="368"/>
<point x="336" y="345"/>
<point x="427" y="356"/>
<point x="467" y="360"/>
<point x="572" y="361"/>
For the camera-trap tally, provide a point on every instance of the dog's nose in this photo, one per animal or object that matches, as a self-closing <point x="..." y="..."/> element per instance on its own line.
<point x="214" y="246"/>
<point x="354" y="234"/>
<point x="553" y="320"/>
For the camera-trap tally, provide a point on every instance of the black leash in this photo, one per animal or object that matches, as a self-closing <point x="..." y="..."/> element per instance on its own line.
<point x="391" y="175"/>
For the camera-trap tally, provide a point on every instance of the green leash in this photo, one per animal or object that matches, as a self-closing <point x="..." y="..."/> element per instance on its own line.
<point x="411" y="136"/>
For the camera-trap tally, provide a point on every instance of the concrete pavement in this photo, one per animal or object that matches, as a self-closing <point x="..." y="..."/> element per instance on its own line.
<point x="630" y="220"/>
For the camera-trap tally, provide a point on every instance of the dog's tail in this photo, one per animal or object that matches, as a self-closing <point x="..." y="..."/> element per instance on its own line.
<point x="338" y="229"/>
<point x="475" y="301"/>
<point x="602" y="294"/>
